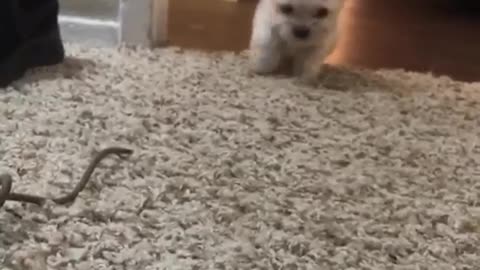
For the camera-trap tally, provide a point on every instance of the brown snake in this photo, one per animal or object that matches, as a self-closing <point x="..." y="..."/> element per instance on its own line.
<point x="6" y="193"/>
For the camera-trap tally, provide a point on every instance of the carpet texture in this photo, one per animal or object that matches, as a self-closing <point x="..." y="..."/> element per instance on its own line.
<point x="372" y="170"/>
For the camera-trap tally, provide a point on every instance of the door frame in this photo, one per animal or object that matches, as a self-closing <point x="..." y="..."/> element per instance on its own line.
<point x="143" y="22"/>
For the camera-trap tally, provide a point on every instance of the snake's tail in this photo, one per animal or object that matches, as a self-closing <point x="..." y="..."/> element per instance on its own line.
<point x="70" y="197"/>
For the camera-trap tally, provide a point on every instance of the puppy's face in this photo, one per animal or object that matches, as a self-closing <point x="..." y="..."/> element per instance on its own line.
<point x="301" y="22"/>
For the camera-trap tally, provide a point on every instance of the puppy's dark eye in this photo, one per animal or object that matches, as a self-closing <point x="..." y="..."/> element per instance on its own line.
<point x="321" y="13"/>
<point x="286" y="9"/>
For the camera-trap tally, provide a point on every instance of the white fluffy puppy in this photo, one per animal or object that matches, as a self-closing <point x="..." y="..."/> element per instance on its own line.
<point x="303" y="32"/>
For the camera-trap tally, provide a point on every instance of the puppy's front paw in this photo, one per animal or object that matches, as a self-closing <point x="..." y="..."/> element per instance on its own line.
<point x="257" y="68"/>
<point x="308" y="79"/>
<point x="261" y="66"/>
<point x="264" y="60"/>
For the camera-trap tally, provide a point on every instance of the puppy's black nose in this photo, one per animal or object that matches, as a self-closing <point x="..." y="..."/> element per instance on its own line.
<point x="301" y="32"/>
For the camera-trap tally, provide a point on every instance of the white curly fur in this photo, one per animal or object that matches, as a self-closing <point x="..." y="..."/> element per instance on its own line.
<point x="273" y="40"/>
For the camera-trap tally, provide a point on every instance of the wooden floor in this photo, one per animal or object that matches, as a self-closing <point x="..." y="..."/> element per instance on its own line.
<point x="423" y="35"/>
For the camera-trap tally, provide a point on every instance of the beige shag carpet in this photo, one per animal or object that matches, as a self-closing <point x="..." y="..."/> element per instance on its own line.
<point x="372" y="170"/>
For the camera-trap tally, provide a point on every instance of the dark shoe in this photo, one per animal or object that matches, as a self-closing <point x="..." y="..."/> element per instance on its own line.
<point x="30" y="37"/>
